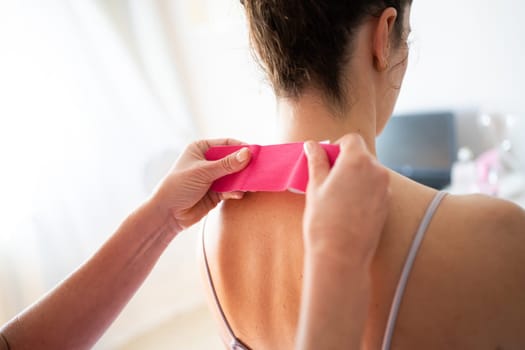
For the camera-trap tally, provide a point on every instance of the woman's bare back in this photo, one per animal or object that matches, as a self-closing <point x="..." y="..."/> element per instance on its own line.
<point x="465" y="291"/>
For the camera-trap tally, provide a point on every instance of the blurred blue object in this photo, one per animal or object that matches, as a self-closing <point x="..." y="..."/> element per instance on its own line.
<point x="421" y="146"/>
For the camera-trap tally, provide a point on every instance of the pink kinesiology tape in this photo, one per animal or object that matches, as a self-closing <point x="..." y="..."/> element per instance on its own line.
<point x="273" y="168"/>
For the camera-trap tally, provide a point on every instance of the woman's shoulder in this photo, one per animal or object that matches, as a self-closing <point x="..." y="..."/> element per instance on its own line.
<point x="469" y="276"/>
<point x="485" y="215"/>
<point x="482" y="230"/>
<point x="485" y="234"/>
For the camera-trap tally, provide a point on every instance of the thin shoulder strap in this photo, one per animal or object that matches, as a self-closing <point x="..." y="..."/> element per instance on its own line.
<point x="235" y="344"/>
<point x="409" y="262"/>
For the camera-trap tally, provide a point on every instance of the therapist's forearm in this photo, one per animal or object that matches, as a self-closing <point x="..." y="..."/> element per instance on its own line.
<point x="334" y="303"/>
<point x="77" y="312"/>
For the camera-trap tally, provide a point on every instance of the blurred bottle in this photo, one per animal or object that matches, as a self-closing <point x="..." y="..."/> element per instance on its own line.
<point x="488" y="167"/>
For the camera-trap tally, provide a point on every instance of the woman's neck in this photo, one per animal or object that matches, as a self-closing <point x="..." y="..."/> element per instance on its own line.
<point x="310" y="118"/>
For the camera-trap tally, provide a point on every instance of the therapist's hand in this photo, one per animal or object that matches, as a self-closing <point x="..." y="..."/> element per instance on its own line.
<point x="76" y="313"/>
<point x="185" y="192"/>
<point x="346" y="206"/>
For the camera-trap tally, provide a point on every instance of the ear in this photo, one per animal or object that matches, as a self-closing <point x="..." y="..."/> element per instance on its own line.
<point x="383" y="38"/>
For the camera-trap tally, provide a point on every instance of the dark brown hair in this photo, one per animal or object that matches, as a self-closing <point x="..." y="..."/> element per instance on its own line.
<point x="304" y="43"/>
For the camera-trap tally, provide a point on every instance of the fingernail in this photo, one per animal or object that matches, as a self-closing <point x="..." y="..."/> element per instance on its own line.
<point x="242" y="155"/>
<point x="237" y="195"/>
<point x="308" y="149"/>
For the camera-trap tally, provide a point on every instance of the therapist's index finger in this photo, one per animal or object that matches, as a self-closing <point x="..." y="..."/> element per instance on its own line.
<point x="352" y="150"/>
<point x="318" y="165"/>
<point x="353" y="143"/>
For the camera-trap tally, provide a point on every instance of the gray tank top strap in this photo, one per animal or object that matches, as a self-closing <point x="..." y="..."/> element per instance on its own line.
<point x="235" y="343"/>
<point x="409" y="262"/>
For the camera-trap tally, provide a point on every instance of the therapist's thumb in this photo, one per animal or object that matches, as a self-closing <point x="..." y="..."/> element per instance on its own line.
<point x="318" y="164"/>
<point x="230" y="164"/>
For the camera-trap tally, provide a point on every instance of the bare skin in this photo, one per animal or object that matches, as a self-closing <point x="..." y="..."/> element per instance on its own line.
<point x="466" y="288"/>
<point x="465" y="291"/>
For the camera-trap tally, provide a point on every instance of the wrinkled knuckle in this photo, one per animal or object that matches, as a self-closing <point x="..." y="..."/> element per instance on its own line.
<point x="199" y="143"/>
<point x="227" y="164"/>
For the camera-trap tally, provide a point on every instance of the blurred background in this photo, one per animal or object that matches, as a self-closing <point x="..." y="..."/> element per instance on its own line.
<point x="97" y="98"/>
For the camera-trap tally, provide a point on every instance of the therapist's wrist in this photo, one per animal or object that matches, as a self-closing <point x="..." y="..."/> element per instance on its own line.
<point x="337" y="270"/>
<point x="161" y="217"/>
<point x="331" y="249"/>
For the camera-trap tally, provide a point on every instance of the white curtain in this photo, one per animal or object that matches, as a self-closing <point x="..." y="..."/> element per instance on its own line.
<point x="92" y="114"/>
